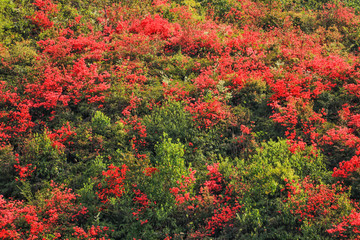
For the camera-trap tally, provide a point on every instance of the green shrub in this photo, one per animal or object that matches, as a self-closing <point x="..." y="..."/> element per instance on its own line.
<point x="49" y="160"/>
<point x="172" y="119"/>
<point x="14" y="25"/>
<point x="273" y="162"/>
<point x="100" y="123"/>
<point x="125" y="215"/>
<point x="265" y="173"/>
<point x="169" y="160"/>
<point x="8" y="184"/>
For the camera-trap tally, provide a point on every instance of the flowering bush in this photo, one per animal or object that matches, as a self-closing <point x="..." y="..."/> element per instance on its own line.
<point x="179" y="119"/>
<point x="53" y="215"/>
<point x="317" y="204"/>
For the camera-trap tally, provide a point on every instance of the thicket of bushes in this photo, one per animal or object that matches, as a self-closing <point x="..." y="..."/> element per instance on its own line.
<point x="184" y="119"/>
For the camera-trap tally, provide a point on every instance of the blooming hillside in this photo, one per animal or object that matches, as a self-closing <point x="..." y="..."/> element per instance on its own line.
<point x="179" y="119"/>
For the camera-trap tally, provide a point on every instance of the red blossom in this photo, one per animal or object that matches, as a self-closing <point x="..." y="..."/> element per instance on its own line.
<point x="114" y="183"/>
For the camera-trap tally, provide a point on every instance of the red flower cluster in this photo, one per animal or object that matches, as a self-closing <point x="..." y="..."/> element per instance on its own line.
<point x="94" y="233"/>
<point x="114" y="187"/>
<point x="23" y="171"/>
<point x="311" y="202"/>
<point x="142" y="202"/>
<point x="348" y="228"/>
<point x="56" y="215"/>
<point x="150" y="171"/>
<point x="182" y="193"/>
<point x="41" y="16"/>
<point x="216" y="199"/>
<point x="61" y="136"/>
<point x="219" y="196"/>
<point x="208" y="114"/>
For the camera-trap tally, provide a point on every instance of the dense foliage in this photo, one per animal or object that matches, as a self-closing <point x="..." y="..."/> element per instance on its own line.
<point x="182" y="119"/>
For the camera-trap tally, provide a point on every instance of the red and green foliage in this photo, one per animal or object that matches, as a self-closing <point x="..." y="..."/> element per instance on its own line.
<point x="54" y="214"/>
<point x="186" y="119"/>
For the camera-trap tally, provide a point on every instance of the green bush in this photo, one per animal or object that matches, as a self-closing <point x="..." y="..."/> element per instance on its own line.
<point x="273" y="162"/>
<point x="264" y="174"/>
<point x="172" y="119"/>
<point x="100" y="123"/>
<point x="8" y="184"/>
<point x="14" y="25"/>
<point x="161" y="212"/>
<point x="49" y="160"/>
<point x="169" y="161"/>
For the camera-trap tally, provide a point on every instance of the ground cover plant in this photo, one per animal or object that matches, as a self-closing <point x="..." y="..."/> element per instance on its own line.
<point x="179" y="119"/>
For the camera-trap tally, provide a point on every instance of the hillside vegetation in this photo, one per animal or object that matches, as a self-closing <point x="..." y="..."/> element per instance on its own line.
<point x="179" y="119"/>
